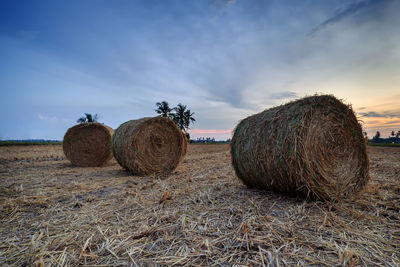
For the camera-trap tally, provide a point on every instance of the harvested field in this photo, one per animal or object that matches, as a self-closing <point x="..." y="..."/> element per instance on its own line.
<point x="54" y="213"/>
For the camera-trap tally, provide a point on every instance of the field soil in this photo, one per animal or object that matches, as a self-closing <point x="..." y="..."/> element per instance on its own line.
<point x="52" y="213"/>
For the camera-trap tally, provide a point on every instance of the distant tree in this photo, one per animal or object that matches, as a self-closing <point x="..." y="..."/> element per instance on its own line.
<point x="392" y="134"/>
<point x="88" y="118"/>
<point x="182" y="117"/>
<point x="377" y="136"/>
<point x="189" y="118"/>
<point x="398" y="134"/>
<point x="163" y="109"/>
<point x="187" y="136"/>
<point x="179" y="116"/>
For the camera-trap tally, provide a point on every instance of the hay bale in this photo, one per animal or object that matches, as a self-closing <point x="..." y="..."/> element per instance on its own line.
<point x="88" y="144"/>
<point x="149" y="145"/>
<point x="311" y="147"/>
<point x="184" y="144"/>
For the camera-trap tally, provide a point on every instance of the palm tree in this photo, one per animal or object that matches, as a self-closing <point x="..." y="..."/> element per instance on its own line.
<point x="163" y="109"/>
<point x="189" y="118"/>
<point x="88" y="118"/>
<point x="182" y="117"/>
<point x="377" y="136"/>
<point x="179" y="116"/>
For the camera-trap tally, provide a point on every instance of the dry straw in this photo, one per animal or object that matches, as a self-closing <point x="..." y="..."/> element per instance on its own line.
<point x="88" y="144"/>
<point x="149" y="145"/>
<point x="199" y="216"/>
<point x="311" y="147"/>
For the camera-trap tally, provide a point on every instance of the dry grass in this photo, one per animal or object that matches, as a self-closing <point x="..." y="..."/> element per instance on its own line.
<point x="53" y="213"/>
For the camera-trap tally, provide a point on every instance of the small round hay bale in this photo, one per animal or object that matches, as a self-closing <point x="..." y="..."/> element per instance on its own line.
<point x="149" y="145"/>
<point x="88" y="144"/>
<point x="312" y="147"/>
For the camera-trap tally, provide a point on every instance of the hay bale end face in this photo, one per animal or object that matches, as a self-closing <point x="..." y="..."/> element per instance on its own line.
<point x="88" y="144"/>
<point x="312" y="147"/>
<point x="149" y="145"/>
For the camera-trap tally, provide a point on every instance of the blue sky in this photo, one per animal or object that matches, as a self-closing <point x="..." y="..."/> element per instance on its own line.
<point x="224" y="59"/>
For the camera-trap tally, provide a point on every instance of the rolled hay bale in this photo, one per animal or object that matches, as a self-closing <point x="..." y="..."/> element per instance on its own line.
<point x="312" y="147"/>
<point x="88" y="144"/>
<point x="149" y="145"/>
<point x="184" y="144"/>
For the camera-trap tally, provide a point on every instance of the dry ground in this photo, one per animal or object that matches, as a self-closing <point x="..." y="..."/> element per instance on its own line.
<point x="54" y="213"/>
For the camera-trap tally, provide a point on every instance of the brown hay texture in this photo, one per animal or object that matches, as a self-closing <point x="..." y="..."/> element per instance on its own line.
<point x="311" y="147"/>
<point x="88" y="144"/>
<point x="184" y="144"/>
<point x="149" y="145"/>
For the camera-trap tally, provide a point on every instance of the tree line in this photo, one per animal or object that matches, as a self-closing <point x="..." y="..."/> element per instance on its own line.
<point x="393" y="138"/>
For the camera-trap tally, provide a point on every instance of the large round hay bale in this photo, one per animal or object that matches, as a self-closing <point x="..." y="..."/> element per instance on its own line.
<point x="149" y="145"/>
<point x="312" y="147"/>
<point x="88" y="144"/>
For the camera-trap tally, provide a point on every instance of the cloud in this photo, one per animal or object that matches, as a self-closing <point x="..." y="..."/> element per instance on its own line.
<point x="255" y="55"/>
<point x="284" y="95"/>
<point x="45" y="118"/>
<point x="221" y="7"/>
<point x="346" y="12"/>
<point x="374" y="114"/>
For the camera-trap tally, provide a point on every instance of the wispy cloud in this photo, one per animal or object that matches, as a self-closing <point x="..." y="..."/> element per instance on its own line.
<point x="284" y="95"/>
<point x="46" y="118"/>
<point x="254" y="55"/>
<point x="374" y="114"/>
<point x="348" y="11"/>
<point x="385" y="122"/>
